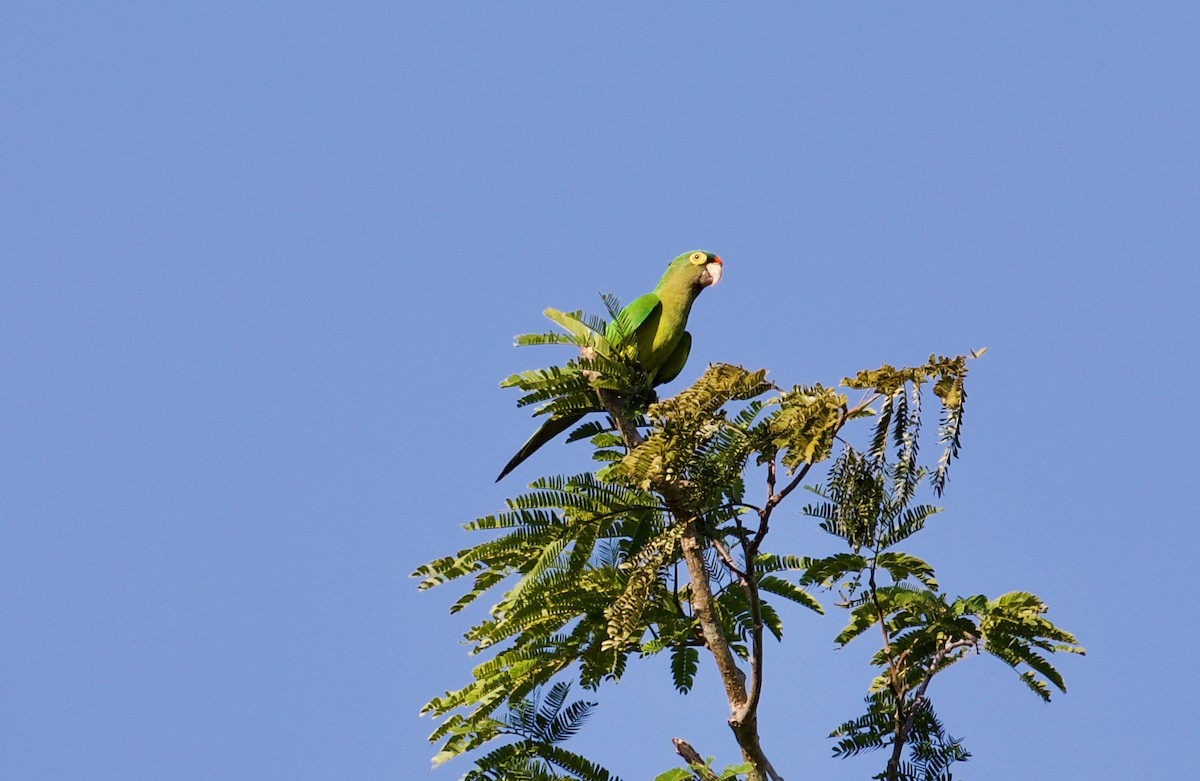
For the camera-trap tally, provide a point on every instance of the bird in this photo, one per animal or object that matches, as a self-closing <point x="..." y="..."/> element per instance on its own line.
<point x="657" y="337"/>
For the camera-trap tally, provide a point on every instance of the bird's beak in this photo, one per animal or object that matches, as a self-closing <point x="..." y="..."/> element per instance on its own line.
<point x="713" y="269"/>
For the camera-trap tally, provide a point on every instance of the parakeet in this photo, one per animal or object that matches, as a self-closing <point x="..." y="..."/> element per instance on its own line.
<point x="656" y="323"/>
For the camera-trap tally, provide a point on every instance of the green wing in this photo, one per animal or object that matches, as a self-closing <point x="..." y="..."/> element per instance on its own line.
<point x="621" y="330"/>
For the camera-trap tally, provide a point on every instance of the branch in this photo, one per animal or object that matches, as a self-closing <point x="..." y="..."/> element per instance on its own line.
<point x="615" y="405"/>
<point x="743" y="718"/>
<point x="771" y="479"/>
<point x="787" y="489"/>
<point x="704" y="608"/>
<point x="775" y="498"/>
<point x="933" y="669"/>
<point x="694" y="760"/>
<point x="904" y="730"/>
<point x="750" y="584"/>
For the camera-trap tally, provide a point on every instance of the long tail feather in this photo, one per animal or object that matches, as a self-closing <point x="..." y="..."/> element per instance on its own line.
<point x="549" y="430"/>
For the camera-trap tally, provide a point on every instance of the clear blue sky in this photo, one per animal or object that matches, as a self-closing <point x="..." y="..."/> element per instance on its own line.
<point x="262" y="268"/>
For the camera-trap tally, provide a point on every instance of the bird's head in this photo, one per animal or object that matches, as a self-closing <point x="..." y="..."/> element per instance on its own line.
<point x="700" y="268"/>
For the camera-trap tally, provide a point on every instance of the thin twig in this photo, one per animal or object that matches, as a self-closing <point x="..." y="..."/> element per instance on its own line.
<point x="912" y="708"/>
<point x="726" y="557"/>
<point x="893" y="674"/>
<point x="787" y="489"/>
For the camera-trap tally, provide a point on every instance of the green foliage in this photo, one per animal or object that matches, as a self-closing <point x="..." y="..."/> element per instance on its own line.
<point x="1014" y="629"/>
<point x="588" y="572"/>
<point x="702" y="771"/>
<point x="685" y="661"/>
<point x="540" y="724"/>
<point x="922" y="625"/>
<point x="931" y="749"/>
<point x="802" y="429"/>
<point x="572" y="388"/>
<point x="948" y="376"/>
<point x="585" y="561"/>
<point x="867" y="504"/>
<point x="642" y="575"/>
<point x="692" y="442"/>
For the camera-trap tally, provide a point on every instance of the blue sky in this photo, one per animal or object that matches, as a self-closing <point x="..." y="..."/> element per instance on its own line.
<point x="262" y="268"/>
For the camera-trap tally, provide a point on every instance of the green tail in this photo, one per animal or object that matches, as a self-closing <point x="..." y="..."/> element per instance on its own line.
<point x="549" y="430"/>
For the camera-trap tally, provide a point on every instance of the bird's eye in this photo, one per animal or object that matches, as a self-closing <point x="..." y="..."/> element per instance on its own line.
<point x="697" y="258"/>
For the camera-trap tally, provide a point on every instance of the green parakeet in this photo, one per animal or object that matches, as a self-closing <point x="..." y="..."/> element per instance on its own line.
<point x="656" y="325"/>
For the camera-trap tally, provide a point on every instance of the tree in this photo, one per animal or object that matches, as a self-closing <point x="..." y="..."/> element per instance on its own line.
<point x="663" y="550"/>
